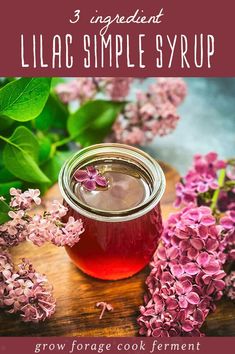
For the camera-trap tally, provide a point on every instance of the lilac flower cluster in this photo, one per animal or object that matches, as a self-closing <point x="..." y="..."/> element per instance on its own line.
<point x="38" y="228"/>
<point x="202" y="180"/>
<point x="187" y="270"/>
<point x="86" y="88"/>
<point x="199" y="187"/>
<point x="14" y="231"/>
<point x="82" y="89"/>
<point x="23" y="291"/>
<point x="186" y="276"/>
<point x="116" y="88"/>
<point x="153" y="114"/>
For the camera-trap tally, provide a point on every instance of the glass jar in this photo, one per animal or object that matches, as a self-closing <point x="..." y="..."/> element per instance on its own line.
<point x="115" y="244"/>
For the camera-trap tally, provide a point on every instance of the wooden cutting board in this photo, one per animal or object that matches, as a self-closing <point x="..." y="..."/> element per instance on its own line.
<point x="77" y="293"/>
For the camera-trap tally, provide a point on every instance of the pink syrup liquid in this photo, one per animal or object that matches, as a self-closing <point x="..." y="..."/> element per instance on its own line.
<point x="116" y="250"/>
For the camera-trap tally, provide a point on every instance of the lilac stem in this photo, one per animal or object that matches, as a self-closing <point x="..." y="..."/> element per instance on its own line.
<point x="102" y="311"/>
<point x="215" y="197"/>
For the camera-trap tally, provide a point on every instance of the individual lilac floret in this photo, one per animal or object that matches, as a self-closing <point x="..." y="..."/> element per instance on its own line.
<point x="104" y="306"/>
<point x="228" y="224"/>
<point x="90" y="178"/>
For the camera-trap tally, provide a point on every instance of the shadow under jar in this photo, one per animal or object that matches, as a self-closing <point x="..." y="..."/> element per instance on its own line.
<point x="122" y="221"/>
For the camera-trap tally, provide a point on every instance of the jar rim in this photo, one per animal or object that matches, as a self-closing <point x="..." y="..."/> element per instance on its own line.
<point x="108" y="150"/>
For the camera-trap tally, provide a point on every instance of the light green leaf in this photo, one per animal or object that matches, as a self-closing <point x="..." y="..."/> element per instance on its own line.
<point x="54" y="115"/>
<point x="56" y="81"/>
<point x="20" y="156"/>
<point x="92" y="122"/>
<point x="24" y="99"/>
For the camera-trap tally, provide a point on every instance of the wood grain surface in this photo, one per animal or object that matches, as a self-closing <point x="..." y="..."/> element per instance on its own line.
<point x="77" y="294"/>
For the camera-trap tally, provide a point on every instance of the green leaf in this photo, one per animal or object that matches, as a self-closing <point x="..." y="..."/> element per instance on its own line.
<point x="56" y="81"/>
<point x="44" y="147"/>
<point x="24" y="99"/>
<point x="5" y="175"/>
<point x="6" y="186"/>
<point x="5" y="80"/>
<point x="5" y="123"/>
<point x="1" y="154"/>
<point x="92" y="122"/>
<point x="54" y="137"/>
<point x="52" y="167"/>
<point x="54" y="115"/>
<point x="20" y="156"/>
<point x="4" y="209"/>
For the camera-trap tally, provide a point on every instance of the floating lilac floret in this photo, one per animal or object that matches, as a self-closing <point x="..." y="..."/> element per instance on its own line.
<point x="90" y="178"/>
